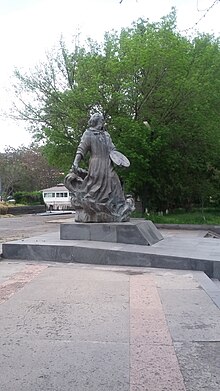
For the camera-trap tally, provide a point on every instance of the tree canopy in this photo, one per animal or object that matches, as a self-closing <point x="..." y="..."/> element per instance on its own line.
<point x="159" y="92"/>
<point x="26" y="169"/>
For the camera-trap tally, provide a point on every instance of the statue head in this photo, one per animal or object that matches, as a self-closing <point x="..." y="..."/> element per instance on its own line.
<point x="96" y="121"/>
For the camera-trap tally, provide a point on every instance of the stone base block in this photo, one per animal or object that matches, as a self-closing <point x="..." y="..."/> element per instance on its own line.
<point x="136" y="232"/>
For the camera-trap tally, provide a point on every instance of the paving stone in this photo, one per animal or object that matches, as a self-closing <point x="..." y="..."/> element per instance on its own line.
<point x="171" y="280"/>
<point x="75" y="311"/>
<point x="52" y="365"/>
<point x="155" y="367"/>
<point x="7" y="269"/>
<point x="200" y="365"/>
<point x="191" y="315"/>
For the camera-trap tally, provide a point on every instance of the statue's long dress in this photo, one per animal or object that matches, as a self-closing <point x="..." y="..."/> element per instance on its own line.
<point x="101" y="189"/>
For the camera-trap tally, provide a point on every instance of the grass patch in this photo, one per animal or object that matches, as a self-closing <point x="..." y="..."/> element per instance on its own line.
<point x="209" y="216"/>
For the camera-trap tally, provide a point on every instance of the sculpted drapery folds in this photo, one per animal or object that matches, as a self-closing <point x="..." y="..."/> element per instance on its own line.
<point x="97" y="194"/>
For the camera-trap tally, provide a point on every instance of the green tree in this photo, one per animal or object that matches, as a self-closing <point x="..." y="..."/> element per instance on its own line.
<point x="159" y="93"/>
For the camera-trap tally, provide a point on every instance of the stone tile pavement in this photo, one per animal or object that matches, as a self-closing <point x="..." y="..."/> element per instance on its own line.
<point x="66" y="327"/>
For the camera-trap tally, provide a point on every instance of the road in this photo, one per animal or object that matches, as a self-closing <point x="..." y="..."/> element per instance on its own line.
<point x="25" y="226"/>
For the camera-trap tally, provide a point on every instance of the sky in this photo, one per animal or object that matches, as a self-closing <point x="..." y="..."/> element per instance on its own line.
<point x="29" y="28"/>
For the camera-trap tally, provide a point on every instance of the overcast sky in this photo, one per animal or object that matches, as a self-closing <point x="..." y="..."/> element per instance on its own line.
<point x="30" y="27"/>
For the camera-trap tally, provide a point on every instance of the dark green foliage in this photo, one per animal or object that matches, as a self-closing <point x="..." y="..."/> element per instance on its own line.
<point x="29" y="198"/>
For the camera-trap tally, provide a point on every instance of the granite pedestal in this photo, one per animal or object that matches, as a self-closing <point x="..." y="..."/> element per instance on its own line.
<point x="135" y="232"/>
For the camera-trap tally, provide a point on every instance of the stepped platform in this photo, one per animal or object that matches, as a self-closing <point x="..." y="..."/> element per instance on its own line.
<point x="197" y="253"/>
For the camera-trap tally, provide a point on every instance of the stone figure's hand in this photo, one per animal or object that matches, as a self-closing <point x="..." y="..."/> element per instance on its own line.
<point x="76" y="161"/>
<point x="74" y="168"/>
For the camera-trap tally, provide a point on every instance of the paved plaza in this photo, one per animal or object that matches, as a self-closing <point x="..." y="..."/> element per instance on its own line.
<point x="76" y="327"/>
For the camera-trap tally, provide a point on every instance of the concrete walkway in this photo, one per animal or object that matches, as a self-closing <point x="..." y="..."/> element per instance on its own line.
<point x="67" y="327"/>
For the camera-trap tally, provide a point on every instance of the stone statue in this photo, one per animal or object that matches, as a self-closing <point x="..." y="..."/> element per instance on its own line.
<point x="97" y="194"/>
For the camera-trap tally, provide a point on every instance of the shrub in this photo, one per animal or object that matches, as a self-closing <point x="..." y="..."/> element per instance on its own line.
<point x="3" y="208"/>
<point x="29" y="198"/>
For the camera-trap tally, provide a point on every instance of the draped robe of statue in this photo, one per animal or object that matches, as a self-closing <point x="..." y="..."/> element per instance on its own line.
<point x="97" y="194"/>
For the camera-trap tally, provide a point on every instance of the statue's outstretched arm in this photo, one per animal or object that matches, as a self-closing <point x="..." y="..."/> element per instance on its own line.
<point x="83" y="148"/>
<point x="77" y="160"/>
